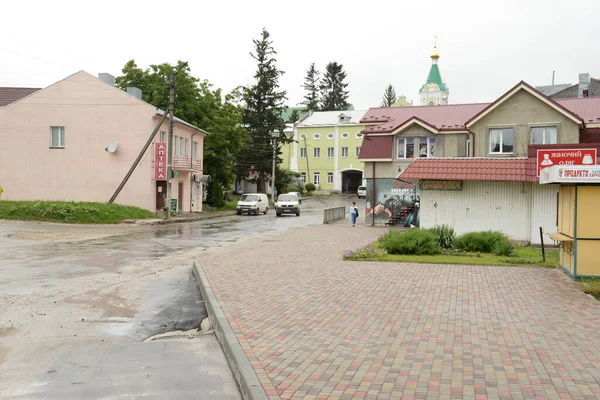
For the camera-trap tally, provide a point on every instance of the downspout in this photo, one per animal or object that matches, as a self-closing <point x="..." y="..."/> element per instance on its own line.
<point x="192" y="168"/>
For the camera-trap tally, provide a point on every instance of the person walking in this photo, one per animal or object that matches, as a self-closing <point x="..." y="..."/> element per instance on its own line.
<point x="353" y="213"/>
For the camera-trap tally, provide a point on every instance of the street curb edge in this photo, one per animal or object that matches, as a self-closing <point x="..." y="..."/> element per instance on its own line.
<point x="245" y="376"/>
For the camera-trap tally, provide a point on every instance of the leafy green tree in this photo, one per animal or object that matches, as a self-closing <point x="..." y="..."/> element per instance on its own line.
<point x="284" y="179"/>
<point x="311" y="85"/>
<point x="262" y="114"/>
<point x="198" y="104"/>
<point x="389" y="97"/>
<point x="216" y="194"/>
<point x="334" y="96"/>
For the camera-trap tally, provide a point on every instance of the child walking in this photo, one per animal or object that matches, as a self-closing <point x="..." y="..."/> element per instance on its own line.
<point x="353" y="213"/>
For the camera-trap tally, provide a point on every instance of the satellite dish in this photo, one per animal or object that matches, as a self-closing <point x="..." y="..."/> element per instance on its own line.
<point x="112" y="146"/>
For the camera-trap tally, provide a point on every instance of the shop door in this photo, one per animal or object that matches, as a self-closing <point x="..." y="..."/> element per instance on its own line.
<point x="180" y="197"/>
<point x="161" y="194"/>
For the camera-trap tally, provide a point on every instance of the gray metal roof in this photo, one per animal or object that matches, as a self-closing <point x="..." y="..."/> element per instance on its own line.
<point x="549" y="90"/>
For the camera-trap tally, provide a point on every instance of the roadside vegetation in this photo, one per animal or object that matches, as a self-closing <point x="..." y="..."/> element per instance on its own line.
<point x="228" y="204"/>
<point x="591" y="286"/>
<point x="441" y="245"/>
<point x="70" y="212"/>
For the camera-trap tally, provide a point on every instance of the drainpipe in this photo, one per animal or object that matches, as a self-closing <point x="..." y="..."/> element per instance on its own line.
<point x="192" y="169"/>
<point x="373" y="196"/>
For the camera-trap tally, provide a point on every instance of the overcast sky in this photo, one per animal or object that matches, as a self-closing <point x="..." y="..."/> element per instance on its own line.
<point x="485" y="46"/>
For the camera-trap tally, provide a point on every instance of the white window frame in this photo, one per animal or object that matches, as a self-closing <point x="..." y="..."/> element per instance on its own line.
<point x="344" y="152"/>
<point x="544" y="127"/>
<point x="330" y="178"/>
<point x="317" y="179"/>
<point x="357" y="151"/>
<point x="60" y="142"/>
<point x="330" y="152"/>
<point x="303" y="136"/>
<point x="428" y="143"/>
<point x="316" y="152"/>
<point x="303" y="176"/>
<point x="302" y="152"/>
<point x="467" y="145"/>
<point x="501" y="129"/>
<point x="330" y="136"/>
<point x="359" y="135"/>
<point x="163" y="136"/>
<point x="345" y="135"/>
<point x="195" y="149"/>
<point x="186" y="146"/>
<point x="176" y="146"/>
<point x="317" y="136"/>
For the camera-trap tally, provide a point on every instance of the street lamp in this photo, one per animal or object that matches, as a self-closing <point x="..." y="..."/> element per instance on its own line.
<point x="274" y="136"/>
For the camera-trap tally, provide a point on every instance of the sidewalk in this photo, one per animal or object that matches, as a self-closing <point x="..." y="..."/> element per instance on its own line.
<point x="316" y="327"/>
<point x="182" y="217"/>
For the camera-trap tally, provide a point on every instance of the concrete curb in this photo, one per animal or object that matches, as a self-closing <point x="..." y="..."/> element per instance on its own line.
<point x="242" y="370"/>
<point x="176" y="220"/>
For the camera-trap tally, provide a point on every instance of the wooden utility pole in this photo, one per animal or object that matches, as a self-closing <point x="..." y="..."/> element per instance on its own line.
<point x="138" y="159"/>
<point x="170" y="142"/>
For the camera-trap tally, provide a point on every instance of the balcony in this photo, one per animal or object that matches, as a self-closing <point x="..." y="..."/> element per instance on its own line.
<point x="181" y="163"/>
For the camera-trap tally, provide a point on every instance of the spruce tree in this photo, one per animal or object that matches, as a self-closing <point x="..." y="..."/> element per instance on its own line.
<point x="262" y="117"/>
<point x="311" y="85"/>
<point x="334" y="96"/>
<point x="389" y="97"/>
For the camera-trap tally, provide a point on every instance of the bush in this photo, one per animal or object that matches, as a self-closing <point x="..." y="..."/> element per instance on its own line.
<point x="413" y="241"/>
<point x="217" y="199"/>
<point x="310" y="187"/>
<point x="483" y="242"/>
<point x="445" y="236"/>
<point x="363" y="253"/>
<point x="504" y="248"/>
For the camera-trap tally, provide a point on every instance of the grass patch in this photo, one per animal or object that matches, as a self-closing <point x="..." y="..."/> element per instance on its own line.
<point x="591" y="286"/>
<point x="70" y="212"/>
<point x="523" y="256"/>
<point x="230" y="205"/>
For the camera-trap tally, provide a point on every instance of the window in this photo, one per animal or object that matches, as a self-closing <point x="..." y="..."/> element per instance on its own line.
<point x="330" y="136"/>
<point x="302" y="137"/>
<point x="186" y="145"/>
<point x="195" y="150"/>
<point x="467" y="145"/>
<point x="405" y="148"/>
<point x="317" y="136"/>
<point x="344" y="152"/>
<point x="330" y="152"/>
<point x="359" y="135"/>
<point x="317" y="152"/>
<point x="502" y="140"/>
<point x="302" y="152"/>
<point x="317" y="179"/>
<point x="57" y="136"/>
<point x="543" y="135"/>
<point x="357" y="151"/>
<point x="176" y="147"/>
<point x="330" y="177"/>
<point x="427" y="147"/>
<point x="163" y="136"/>
<point x="344" y="135"/>
<point x="303" y="174"/>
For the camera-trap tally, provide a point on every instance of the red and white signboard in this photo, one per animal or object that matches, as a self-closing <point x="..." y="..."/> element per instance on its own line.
<point x="565" y="157"/>
<point x="160" y="162"/>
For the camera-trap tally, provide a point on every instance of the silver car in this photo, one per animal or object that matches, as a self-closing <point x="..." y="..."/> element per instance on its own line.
<point x="361" y="192"/>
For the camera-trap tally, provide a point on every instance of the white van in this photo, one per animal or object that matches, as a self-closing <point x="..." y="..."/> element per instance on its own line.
<point x="253" y="203"/>
<point x="287" y="204"/>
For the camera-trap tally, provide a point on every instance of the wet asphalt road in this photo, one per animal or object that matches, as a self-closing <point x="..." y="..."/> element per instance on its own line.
<point x="127" y="287"/>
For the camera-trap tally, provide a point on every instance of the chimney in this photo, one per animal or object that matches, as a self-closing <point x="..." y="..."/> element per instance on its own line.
<point x="584" y="83"/>
<point x="107" y="78"/>
<point x="135" y="92"/>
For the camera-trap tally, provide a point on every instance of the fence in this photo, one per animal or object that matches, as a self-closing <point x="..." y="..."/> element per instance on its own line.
<point x="333" y="214"/>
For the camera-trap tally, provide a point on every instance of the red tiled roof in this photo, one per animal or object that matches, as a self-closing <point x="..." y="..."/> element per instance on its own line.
<point x="451" y="117"/>
<point x="442" y="117"/>
<point x="472" y="169"/>
<point x="376" y="147"/>
<point x="11" y="94"/>
<point x="587" y="108"/>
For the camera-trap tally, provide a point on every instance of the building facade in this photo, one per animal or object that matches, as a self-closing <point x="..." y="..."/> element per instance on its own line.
<point x="325" y="150"/>
<point x="75" y="140"/>
<point x="445" y="145"/>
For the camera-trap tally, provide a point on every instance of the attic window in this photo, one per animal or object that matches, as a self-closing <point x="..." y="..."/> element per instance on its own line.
<point x="330" y="136"/>
<point x="317" y="136"/>
<point x="359" y="135"/>
<point x="302" y="137"/>
<point x="345" y="135"/>
<point x="585" y="93"/>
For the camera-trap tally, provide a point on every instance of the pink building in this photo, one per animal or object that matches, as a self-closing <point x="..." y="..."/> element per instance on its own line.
<point x="55" y="146"/>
